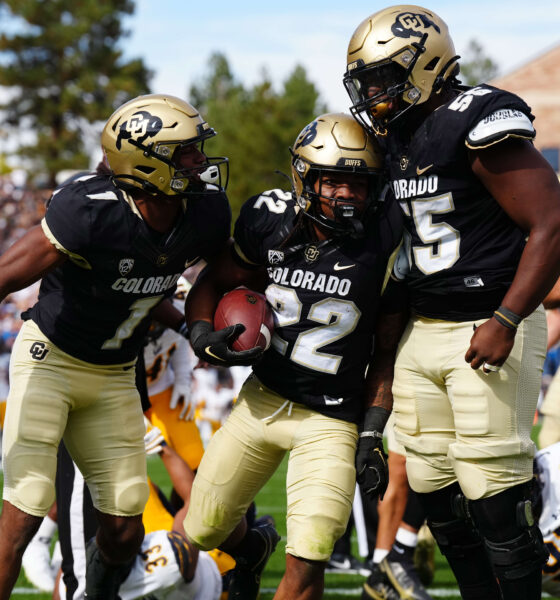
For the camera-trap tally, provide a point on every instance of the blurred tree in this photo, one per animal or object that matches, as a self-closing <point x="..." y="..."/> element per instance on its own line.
<point x="64" y="68"/>
<point x="476" y="66"/>
<point x="256" y="126"/>
<point x="4" y="167"/>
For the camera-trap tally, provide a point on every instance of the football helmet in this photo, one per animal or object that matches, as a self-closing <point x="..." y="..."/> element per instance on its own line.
<point x="397" y="58"/>
<point x="142" y="140"/>
<point x="335" y="142"/>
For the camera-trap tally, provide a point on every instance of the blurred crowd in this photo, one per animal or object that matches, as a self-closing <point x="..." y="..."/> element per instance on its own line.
<point x="20" y="209"/>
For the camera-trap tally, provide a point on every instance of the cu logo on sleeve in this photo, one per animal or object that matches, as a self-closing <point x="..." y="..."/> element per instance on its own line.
<point x="38" y="350"/>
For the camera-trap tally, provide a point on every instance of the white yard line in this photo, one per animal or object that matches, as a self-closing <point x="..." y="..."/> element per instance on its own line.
<point x="357" y="591"/>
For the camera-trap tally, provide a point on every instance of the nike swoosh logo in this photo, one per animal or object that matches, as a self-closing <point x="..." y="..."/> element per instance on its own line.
<point x="339" y="267"/>
<point x="207" y="350"/>
<point x="191" y="262"/>
<point x="419" y="171"/>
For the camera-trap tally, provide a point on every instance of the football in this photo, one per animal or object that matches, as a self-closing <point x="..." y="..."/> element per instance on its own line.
<point x="250" y="308"/>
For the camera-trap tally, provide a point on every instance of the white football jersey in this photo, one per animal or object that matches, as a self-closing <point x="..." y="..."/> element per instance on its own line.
<point x="548" y="465"/>
<point x="157" y="574"/>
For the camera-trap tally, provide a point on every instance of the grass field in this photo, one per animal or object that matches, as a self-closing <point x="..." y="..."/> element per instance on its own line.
<point x="272" y="500"/>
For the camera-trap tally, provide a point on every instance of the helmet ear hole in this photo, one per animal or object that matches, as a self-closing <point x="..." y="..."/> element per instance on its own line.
<point x="144" y="169"/>
<point x="432" y="64"/>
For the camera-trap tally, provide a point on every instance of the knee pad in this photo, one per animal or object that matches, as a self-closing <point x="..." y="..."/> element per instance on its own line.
<point x="456" y="539"/>
<point x="517" y="558"/>
<point x="314" y="539"/>
<point x="512" y="538"/>
<point x="505" y="515"/>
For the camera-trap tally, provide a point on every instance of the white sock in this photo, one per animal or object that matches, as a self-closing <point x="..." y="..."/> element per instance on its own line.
<point x="379" y="554"/>
<point x="46" y="529"/>
<point x="406" y="537"/>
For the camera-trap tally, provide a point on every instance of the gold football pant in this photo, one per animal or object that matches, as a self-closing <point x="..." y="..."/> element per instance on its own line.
<point x="458" y="424"/>
<point x="245" y="452"/>
<point x="97" y="410"/>
<point x="183" y="436"/>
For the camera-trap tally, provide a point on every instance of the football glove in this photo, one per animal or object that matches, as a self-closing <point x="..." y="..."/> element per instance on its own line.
<point x="212" y="346"/>
<point x="372" y="472"/>
<point x="182" y="394"/>
<point x="153" y="438"/>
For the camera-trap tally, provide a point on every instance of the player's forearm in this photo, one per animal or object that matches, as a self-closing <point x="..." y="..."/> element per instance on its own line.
<point x="27" y="261"/>
<point x="379" y="380"/>
<point x="179" y="472"/>
<point x="166" y="314"/>
<point x="379" y="383"/>
<point x="201" y="302"/>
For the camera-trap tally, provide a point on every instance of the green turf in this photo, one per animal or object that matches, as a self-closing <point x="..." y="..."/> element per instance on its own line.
<point x="272" y="500"/>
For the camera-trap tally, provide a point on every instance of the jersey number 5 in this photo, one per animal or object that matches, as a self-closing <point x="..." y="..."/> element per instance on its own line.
<point x="442" y="241"/>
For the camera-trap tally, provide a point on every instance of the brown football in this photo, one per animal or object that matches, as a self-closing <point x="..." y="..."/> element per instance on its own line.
<point x="250" y="308"/>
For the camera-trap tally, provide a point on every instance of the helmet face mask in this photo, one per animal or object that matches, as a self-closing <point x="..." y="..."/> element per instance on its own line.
<point x="142" y="142"/>
<point x="197" y="177"/>
<point x="377" y="93"/>
<point x="330" y="152"/>
<point x="397" y="58"/>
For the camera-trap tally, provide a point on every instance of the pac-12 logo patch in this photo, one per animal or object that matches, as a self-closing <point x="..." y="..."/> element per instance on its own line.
<point x="139" y="127"/>
<point x="409" y="24"/>
<point x="275" y="257"/>
<point x="38" y="350"/>
<point x="125" y="265"/>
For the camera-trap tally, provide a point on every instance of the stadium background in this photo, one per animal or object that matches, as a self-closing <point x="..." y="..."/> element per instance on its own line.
<point x="22" y="200"/>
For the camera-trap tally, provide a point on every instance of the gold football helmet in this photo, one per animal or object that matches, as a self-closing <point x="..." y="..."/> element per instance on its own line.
<point x="397" y="58"/>
<point x="142" y="140"/>
<point x="335" y="142"/>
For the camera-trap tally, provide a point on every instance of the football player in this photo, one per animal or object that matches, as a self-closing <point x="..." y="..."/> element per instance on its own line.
<point x="547" y="492"/>
<point x="166" y="566"/>
<point x="482" y="218"/>
<point x="110" y="248"/>
<point x="321" y="254"/>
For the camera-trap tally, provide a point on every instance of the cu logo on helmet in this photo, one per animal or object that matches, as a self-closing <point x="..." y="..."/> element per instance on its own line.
<point x="307" y="135"/>
<point x="140" y="126"/>
<point x="38" y="350"/>
<point x="412" y="24"/>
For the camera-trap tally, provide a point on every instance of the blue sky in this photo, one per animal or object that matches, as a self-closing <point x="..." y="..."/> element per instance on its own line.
<point x="176" y="37"/>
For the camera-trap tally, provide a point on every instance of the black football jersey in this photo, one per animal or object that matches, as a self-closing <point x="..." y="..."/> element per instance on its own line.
<point x="325" y="297"/>
<point x="96" y="305"/>
<point x="463" y="248"/>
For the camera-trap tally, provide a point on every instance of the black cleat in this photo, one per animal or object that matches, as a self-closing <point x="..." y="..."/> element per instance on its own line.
<point x="404" y="579"/>
<point x="378" y="587"/>
<point x="246" y="576"/>
<point x="346" y="564"/>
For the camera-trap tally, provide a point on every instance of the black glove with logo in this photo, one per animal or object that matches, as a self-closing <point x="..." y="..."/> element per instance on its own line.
<point x="372" y="471"/>
<point x="212" y="346"/>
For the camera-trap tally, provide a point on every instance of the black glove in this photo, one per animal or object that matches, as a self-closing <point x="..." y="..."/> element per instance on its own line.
<point x="212" y="346"/>
<point x="372" y="471"/>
